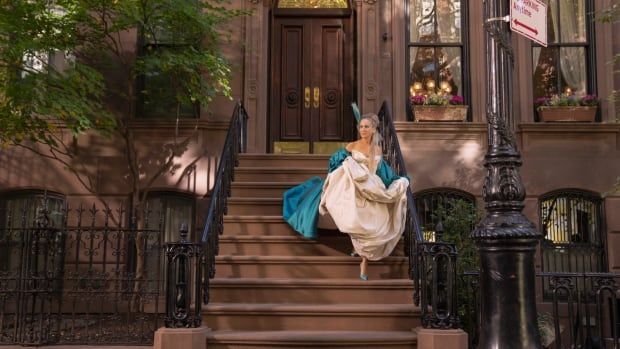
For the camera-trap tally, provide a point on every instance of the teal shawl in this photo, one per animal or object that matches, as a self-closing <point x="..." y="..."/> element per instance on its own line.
<point x="301" y="203"/>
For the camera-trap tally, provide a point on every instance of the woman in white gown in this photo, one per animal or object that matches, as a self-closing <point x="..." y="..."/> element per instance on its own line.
<point x="358" y="201"/>
<point x="361" y="194"/>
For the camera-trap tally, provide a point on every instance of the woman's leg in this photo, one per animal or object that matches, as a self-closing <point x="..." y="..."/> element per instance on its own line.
<point x="364" y="269"/>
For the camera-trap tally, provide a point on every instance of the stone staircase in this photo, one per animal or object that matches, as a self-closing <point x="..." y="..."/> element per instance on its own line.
<point x="275" y="289"/>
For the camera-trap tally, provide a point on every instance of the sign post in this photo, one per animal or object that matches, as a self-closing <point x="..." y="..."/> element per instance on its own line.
<point x="529" y="18"/>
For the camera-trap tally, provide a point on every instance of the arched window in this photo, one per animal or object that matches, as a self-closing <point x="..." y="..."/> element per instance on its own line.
<point x="437" y="204"/>
<point x="571" y="222"/>
<point x="313" y="4"/>
<point x="22" y="211"/>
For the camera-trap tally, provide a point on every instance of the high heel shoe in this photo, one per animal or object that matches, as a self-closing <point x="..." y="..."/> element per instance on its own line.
<point x="364" y="277"/>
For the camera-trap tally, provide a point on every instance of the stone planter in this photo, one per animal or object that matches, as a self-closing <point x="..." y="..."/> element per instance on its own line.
<point x="567" y="113"/>
<point x="440" y="112"/>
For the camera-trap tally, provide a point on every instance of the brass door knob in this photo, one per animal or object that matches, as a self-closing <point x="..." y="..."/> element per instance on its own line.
<point x="317" y="99"/>
<point x="307" y="97"/>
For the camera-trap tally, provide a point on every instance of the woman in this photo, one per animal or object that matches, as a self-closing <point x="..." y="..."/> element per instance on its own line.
<point x="361" y="194"/>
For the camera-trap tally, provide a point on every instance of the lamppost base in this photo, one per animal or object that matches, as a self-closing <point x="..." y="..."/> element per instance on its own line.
<point x="507" y="294"/>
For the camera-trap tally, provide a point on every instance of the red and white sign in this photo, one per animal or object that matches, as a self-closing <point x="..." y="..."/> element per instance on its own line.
<point x="529" y="18"/>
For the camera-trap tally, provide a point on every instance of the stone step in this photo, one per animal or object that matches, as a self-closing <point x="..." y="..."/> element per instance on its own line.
<point x="311" y="317"/>
<point x="283" y="160"/>
<point x="254" y="206"/>
<point x="335" y="244"/>
<point x="311" y="339"/>
<point x="275" y="174"/>
<point x="256" y="225"/>
<point x="320" y="291"/>
<point x="273" y="225"/>
<point x="252" y="245"/>
<point x="261" y="189"/>
<point x="345" y="267"/>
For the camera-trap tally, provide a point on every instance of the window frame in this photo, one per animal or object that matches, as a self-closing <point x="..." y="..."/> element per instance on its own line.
<point x="141" y="85"/>
<point x="444" y="192"/>
<point x="587" y="196"/>
<point x="590" y="56"/>
<point x="32" y="195"/>
<point x="464" y="45"/>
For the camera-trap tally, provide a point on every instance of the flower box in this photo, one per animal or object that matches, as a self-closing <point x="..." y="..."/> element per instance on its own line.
<point x="440" y="112"/>
<point x="567" y="113"/>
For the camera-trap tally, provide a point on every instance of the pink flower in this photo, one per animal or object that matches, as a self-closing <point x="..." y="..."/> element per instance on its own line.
<point x="418" y="100"/>
<point x="456" y="100"/>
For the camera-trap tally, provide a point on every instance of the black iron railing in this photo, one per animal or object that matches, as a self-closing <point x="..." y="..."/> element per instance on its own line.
<point x="583" y="311"/>
<point x="70" y="276"/>
<point x="235" y="143"/>
<point x="432" y="265"/>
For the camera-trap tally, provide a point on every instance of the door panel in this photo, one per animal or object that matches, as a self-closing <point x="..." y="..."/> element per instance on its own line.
<point x="330" y="79"/>
<point x="291" y="70"/>
<point x="311" y="80"/>
<point x="292" y="104"/>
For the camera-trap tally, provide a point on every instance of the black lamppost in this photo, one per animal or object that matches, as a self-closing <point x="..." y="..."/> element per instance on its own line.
<point x="506" y="240"/>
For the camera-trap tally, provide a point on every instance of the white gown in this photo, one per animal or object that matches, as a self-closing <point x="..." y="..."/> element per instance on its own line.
<point x="360" y="205"/>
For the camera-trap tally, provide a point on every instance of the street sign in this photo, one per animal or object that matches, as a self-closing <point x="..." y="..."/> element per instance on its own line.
<point x="529" y="18"/>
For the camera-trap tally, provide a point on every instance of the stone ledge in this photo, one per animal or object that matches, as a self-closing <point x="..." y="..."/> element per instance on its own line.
<point x="568" y="127"/>
<point x="440" y="127"/>
<point x="173" y="338"/>
<point x="440" y="339"/>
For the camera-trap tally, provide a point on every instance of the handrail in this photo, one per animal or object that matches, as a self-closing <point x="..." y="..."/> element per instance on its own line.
<point x="235" y="143"/>
<point x="394" y="156"/>
<point x="432" y="265"/>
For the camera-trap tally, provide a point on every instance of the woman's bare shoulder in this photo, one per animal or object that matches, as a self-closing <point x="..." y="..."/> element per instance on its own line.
<point x="351" y="146"/>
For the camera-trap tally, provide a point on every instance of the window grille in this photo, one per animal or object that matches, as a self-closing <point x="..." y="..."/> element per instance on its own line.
<point x="572" y="225"/>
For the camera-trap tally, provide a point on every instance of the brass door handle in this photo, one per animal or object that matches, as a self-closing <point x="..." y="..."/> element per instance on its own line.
<point x="317" y="93"/>
<point x="307" y="97"/>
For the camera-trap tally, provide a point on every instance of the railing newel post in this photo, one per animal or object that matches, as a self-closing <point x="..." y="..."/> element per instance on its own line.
<point x="183" y="259"/>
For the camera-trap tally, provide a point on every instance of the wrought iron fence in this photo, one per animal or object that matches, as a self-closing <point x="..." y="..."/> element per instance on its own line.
<point x="77" y="278"/>
<point x="235" y="143"/>
<point x="583" y="311"/>
<point x="432" y="265"/>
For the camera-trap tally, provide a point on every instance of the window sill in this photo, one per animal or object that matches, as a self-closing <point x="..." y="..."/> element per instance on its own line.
<point x="576" y="137"/>
<point x="184" y="124"/>
<point x="569" y="127"/>
<point x="441" y="126"/>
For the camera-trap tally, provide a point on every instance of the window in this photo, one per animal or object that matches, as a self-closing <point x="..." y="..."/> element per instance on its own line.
<point x="20" y="212"/>
<point x="565" y="66"/>
<point x="161" y="92"/>
<point x="171" y="210"/>
<point x="434" y="205"/>
<point x="437" y="57"/>
<point x="572" y="226"/>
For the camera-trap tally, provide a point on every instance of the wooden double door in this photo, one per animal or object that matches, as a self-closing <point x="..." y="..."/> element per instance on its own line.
<point x="311" y="88"/>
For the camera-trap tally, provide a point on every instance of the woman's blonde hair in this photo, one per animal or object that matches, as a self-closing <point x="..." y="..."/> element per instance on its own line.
<point x="376" y="142"/>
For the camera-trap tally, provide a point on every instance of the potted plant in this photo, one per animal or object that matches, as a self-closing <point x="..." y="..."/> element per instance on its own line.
<point x="438" y="107"/>
<point x="567" y="107"/>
